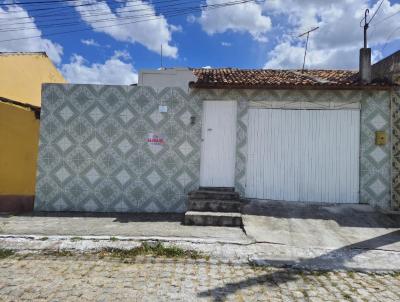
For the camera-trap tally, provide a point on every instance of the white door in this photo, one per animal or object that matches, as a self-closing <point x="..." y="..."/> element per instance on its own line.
<point x="217" y="166"/>
<point x="303" y="155"/>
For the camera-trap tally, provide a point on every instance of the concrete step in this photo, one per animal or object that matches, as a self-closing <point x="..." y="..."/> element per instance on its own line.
<point x="214" y="205"/>
<point x="220" y="189"/>
<point x="205" y="194"/>
<point x="213" y="219"/>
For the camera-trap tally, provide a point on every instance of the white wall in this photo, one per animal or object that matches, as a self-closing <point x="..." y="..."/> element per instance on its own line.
<point x="160" y="79"/>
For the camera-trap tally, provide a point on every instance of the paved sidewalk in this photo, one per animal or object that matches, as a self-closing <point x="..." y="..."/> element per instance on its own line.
<point x="80" y="278"/>
<point x="345" y="237"/>
<point x="321" y="226"/>
<point x="133" y="226"/>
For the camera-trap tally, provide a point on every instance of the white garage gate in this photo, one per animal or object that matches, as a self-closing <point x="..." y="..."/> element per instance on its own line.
<point x="303" y="155"/>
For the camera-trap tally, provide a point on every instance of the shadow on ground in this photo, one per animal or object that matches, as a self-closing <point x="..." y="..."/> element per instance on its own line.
<point x="291" y="271"/>
<point x="351" y="215"/>
<point x="118" y="217"/>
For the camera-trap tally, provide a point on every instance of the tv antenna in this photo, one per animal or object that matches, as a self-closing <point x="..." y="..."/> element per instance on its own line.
<point x="161" y="62"/>
<point x="305" y="50"/>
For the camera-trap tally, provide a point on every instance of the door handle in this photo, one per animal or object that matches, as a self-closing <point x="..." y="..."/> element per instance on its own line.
<point x="209" y="129"/>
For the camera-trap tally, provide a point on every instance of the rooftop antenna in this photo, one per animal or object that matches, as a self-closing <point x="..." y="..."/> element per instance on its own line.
<point x="305" y="50"/>
<point x="161" y="63"/>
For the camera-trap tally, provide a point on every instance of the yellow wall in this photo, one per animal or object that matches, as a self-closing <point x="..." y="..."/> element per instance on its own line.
<point x="22" y="75"/>
<point x="19" y="137"/>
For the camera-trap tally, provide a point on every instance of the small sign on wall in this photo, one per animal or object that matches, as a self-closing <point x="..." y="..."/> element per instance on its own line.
<point x="155" y="139"/>
<point x="163" y="108"/>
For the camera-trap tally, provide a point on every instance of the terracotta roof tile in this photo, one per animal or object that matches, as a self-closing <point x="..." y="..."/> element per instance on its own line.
<point x="271" y="78"/>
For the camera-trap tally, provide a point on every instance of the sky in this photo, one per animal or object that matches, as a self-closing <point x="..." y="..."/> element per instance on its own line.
<point x="109" y="41"/>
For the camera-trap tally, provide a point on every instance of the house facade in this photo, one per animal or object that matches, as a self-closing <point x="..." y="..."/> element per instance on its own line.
<point x="317" y="136"/>
<point x="21" y="78"/>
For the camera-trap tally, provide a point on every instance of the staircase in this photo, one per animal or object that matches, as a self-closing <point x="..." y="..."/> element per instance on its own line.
<point x="214" y="206"/>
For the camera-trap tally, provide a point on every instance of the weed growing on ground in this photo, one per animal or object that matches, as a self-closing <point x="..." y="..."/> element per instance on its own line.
<point x="158" y="250"/>
<point x="113" y="238"/>
<point x="43" y="238"/>
<point x="347" y="297"/>
<point x="76" y="238"/>
<point x="4" y="253"/>
<point x="61" y="253"/>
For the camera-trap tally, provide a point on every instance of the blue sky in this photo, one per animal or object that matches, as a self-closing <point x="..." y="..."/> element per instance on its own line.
<point x="246" y="35"/>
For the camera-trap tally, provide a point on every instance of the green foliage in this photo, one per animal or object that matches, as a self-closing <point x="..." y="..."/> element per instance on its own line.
<point x="158" y="250"/>
<point x="4" y="253"/>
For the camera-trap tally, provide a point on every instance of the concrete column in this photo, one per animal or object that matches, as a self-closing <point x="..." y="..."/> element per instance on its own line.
<point x="365" y="65"/>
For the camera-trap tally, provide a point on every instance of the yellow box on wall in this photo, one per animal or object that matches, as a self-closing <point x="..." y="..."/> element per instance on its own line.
<point x="380" y="138"/>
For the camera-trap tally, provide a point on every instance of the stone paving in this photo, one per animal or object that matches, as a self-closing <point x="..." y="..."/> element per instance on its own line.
<point x="90" y="277"/>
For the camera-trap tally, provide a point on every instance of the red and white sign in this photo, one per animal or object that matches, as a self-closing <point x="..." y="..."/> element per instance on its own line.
<point x="155" y="139"/>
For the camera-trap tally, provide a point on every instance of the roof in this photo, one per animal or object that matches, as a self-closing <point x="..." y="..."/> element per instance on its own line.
<point x="280" y="79"/>
<point x="33" y="108"/>
<point x="23" y="53"/>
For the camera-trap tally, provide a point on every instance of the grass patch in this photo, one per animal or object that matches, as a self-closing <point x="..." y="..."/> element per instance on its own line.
<point x="158" y="250"/>
<point x="76" y="238"/>
<point x="113" y="238"/>
<point x="347" y="296"/>
<point x="4" y="253"/>
<point x="44" y="238"/>
<point x="61" y="253"/>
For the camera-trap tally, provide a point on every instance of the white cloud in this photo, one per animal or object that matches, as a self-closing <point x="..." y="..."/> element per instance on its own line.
<point x="191" y="18"/>
<point x="226" y="44"/>
<point x="28" y="29"/>
<point x="246" y="17"/>
<point x="90" y="42"/>
<point x="337" y="42"/>
<point x="120" y="26"/>
<point x="112" y="71"/>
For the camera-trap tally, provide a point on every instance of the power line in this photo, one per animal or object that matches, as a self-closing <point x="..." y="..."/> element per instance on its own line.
<point x="36" y="2"/>
<point x="115" y="18"/>
<point x="373" y="16"/>
<point x="66" y="6"/>
<point x="60" y="10"/>
<point x="174" y="14"/>
<point x="39" y="22"/>
<point x="389" y="37"/>
<point x="386" y="18"/>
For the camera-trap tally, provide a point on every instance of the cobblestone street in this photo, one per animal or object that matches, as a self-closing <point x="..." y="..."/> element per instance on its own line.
<point x="92" y="278"/>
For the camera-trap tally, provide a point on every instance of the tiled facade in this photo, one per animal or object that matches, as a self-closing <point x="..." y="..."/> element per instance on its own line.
<point x="375" y="163"/>
<point x="94" y="155"/>
<point x="396" y="149"/>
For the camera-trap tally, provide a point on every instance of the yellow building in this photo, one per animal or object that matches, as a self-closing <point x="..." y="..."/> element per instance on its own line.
<point x="21" y="79"/>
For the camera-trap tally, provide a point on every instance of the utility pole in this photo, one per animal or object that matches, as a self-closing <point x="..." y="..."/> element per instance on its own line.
<point x="366" y="25"/>
<point x="305" y="50"/>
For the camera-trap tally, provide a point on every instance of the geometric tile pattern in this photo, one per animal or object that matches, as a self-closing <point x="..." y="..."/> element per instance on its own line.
<point x="375" y="163"/>
<point x="94" y="154"/>
<point x="375" y="177"/>
<point x="395" y="162"/>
